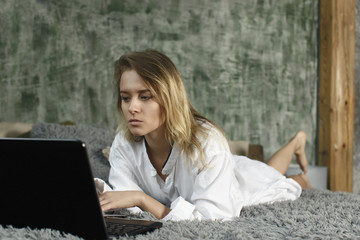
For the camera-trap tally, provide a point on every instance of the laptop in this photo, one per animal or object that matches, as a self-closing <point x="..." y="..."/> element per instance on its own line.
<point x="48" y="183"/>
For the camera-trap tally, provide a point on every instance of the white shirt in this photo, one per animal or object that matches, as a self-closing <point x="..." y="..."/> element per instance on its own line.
<point x="216" y="192"/>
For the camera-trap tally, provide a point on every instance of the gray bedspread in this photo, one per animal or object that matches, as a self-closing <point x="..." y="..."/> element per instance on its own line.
<point x="317" y="214"/>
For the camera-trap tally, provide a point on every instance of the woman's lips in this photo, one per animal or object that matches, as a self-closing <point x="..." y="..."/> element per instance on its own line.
<point x="134" y="122"/>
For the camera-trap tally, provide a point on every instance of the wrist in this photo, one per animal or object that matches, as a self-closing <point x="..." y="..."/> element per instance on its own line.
<point x="140" y="199"/>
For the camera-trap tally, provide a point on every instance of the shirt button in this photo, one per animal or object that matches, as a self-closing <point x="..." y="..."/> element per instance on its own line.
<point x="153" y="172"/>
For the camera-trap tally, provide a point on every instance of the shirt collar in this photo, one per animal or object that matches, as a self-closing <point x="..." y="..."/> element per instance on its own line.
<point x="174" y="154"/>
<point x="147" y="164"/>
<point x="171" y="161"/>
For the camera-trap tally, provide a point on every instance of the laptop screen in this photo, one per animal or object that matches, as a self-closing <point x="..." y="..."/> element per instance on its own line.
<point x="49" y="184"/>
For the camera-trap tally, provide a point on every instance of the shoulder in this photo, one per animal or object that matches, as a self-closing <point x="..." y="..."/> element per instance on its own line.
<point x="213" y="140"/>
<point x="123" y="147"/>
<point x="120" y="141"/>
<point x="212" y="130"/>
<point x="217" y="155"/>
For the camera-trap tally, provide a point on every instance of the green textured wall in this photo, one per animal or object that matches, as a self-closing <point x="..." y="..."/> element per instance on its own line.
<point x="251" y="66"/>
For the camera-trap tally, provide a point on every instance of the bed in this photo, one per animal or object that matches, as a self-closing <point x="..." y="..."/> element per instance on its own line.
<point x="317" y="214"/>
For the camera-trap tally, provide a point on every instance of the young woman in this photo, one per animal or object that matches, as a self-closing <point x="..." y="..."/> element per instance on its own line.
<point x="170" y="161"/>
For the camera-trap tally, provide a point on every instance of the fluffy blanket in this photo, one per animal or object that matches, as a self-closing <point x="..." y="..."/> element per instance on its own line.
<point x="317" y="214"/>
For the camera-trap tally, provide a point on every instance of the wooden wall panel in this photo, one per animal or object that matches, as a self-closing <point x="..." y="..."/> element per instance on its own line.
<point x="336" y="91"/>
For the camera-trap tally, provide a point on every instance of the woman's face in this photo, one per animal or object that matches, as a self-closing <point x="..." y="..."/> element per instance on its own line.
<point x="142" y="113"/>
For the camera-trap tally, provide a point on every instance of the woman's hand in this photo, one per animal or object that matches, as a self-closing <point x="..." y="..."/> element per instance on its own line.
<point x="119" y="199"/>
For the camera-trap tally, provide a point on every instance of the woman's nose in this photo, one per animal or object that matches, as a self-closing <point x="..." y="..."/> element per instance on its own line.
<point x="134" y="106"/>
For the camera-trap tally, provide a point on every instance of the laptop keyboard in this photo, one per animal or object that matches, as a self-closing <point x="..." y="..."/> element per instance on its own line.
<point x="121" y="229"/>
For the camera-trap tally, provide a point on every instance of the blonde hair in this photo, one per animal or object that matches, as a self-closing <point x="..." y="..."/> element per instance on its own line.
<point x="160" y="75"/>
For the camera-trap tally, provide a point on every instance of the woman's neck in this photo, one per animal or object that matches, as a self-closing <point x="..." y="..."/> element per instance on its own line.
<point x="158" y="149"/>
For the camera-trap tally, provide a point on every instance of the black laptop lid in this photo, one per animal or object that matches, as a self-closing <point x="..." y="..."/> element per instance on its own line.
<point x="49" y="184"/>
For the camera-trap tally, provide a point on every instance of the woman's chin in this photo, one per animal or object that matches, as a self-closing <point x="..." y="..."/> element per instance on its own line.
<point x="136" y="134"/>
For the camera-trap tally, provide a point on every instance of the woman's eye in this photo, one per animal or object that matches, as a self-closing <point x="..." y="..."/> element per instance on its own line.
<point x="146" y="97"/>
<point x="125" y="99"/>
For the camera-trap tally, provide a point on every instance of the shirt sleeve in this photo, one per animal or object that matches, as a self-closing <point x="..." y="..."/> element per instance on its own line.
<point x="182" y="210"/>
<point x="101" y="186"/>
<point x="121" y="177"/>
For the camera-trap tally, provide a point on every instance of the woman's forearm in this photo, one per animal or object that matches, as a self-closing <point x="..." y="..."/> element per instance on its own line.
<point x="126" y="199"/>
<point x="149" y="204"/>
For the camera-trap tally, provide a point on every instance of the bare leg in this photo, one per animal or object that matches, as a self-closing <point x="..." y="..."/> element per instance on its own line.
<point x="282" y="158"/>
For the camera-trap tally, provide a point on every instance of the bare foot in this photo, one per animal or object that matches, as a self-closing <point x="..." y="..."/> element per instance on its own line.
<point x="302" y="180"/>
<point x="300" y="144"/>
